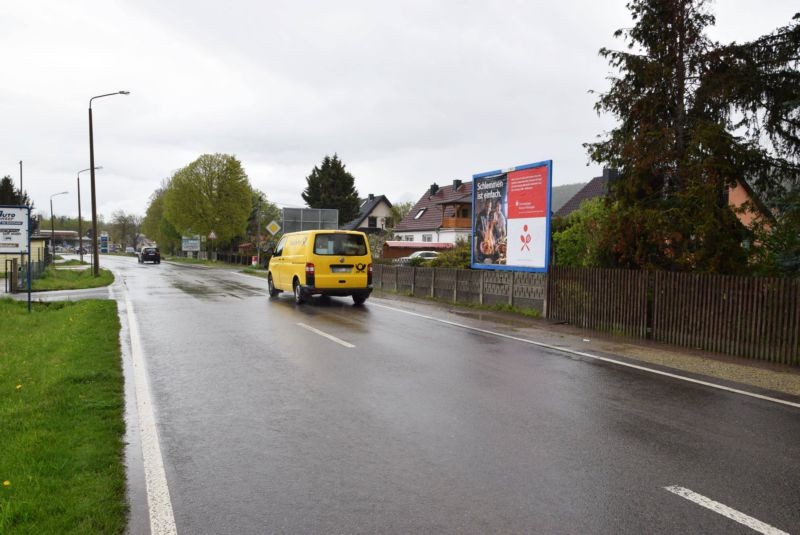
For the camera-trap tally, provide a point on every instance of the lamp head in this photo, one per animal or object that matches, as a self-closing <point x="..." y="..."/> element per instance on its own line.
<point x="124" y="92"/>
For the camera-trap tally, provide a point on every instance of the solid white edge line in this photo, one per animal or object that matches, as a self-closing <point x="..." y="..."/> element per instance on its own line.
<point x="596" y="357"/>
<point x="326" y="335"/>
<point x="162" y="519"/>
<point x="725" y="511"/>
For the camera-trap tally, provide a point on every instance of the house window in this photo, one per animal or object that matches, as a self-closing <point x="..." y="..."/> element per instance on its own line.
<point x="372" y="222"/>
<point x="408" y="238"/>
<point x="427" y="237"/>
<point x="419" y="214"/>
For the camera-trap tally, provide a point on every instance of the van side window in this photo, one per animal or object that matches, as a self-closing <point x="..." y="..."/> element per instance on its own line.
<point x="340" y="244"/>
<point x="279" y="248"/>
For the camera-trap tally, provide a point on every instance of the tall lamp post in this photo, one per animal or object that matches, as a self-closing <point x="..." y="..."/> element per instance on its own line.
<point x="95" y="250"/>
<point x="52" y="223"/>
<point x="80" y="221"/>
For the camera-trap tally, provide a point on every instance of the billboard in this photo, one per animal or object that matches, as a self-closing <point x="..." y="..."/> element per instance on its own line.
<point x="14" y="229"/>
<point x="511" y="218"/>
<point x="190" y="243"/>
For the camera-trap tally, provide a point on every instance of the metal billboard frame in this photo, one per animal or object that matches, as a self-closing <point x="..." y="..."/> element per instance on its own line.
<point x="503" y="173"/>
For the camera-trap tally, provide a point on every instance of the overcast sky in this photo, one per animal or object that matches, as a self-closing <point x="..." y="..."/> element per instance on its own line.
<point x="407" y="93"/>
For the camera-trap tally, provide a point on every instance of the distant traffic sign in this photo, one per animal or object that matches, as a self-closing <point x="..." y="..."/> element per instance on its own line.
<point x="273" y="227"/>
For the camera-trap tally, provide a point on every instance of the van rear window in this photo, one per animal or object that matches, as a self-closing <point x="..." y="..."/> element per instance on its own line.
<point x="340" y="244"/>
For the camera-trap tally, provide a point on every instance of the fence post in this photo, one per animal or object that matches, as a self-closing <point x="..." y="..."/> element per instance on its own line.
<point x="546" y="293"/>
<point x="511" y="290"/>
<point x="413" y="280"/>
<point x="455" y="287"/>
<point x="396" y="269"/>
<point x="480" y="290"/>
<point x="433" y="282"/>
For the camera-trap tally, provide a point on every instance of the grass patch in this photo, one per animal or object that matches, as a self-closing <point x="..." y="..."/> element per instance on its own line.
<point x="61" y="408"/>
<point x="258" y="272"/>
<point x="73" y="262"/>
<point x="70" y="279"/>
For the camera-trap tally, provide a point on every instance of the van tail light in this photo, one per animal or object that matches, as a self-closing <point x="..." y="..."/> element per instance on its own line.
<point x="369" y="274"/>
<point x="310" y="274"/>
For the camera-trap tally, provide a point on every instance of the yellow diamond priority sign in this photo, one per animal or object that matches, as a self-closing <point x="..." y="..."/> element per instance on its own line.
<point x="273" y="227"/>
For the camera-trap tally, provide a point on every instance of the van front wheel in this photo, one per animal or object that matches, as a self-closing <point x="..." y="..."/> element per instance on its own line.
<point x="299" y="298"/>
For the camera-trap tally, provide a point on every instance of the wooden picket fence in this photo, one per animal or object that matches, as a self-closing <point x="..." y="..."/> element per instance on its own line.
<point x="756" y="318"/>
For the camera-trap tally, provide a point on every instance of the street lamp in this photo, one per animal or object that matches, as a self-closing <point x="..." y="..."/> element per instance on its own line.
<point x="53" y="225"/>
<point x="80" y="226"/>
<point x="95" y="250"/>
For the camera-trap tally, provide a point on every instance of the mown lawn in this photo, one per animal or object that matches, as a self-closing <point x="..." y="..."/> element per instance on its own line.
<point x="61" y="415"/>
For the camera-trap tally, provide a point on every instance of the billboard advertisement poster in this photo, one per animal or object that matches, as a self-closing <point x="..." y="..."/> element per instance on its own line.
<point x="14" y="233"/>
<point x="190" y="243"/>
<point x="511" y="218"/>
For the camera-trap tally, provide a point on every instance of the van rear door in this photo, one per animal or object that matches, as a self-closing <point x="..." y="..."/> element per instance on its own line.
<point x="341" y="260"/>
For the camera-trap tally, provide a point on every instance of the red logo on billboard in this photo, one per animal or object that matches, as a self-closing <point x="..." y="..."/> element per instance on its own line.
<point x="525" y="238"/>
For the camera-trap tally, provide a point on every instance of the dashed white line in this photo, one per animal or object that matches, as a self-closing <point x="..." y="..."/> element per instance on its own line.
<point x="725" y="511"/>
<point x="595" y="357"/>
<point x="326" y="335"/>
<point x="162" y="519"/>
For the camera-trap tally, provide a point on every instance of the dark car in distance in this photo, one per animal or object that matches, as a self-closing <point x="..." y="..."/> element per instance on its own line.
<point x="149" y="254"/>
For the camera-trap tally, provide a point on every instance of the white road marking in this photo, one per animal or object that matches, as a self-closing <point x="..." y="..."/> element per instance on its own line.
<point x="725" y="511"/>
<point x="326" y="335"/>
<point x="162" y="519"/>
<point x="596" y="357"/>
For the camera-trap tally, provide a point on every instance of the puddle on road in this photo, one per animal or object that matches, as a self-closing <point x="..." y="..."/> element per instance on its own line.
<point x="492" y="317"/>
<point x="216" y="289"/>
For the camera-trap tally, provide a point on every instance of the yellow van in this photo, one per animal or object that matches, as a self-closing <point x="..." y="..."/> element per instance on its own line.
<point x="321" y="262"/>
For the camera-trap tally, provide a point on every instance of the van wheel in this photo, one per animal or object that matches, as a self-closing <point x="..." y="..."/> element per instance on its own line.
<point x="359" y="299"/>
<point x="299" y="298"/>
<point x="273" y="292"/>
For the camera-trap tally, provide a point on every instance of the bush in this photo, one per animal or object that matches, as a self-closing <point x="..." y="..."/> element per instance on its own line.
<point x="458" y="257"/>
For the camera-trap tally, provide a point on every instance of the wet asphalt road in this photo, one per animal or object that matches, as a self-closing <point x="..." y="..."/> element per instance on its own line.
<point x="424" y="427"/>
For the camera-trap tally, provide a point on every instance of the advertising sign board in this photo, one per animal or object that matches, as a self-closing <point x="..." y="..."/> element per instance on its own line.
<point x="14" y="223"/>
<point x="511" y="218"/>
<point x="190" y="243"/>
<point x="104" y="242"/>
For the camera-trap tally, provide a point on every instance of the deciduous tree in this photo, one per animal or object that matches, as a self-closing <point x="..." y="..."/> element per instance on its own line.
<point x="211" y="193"/>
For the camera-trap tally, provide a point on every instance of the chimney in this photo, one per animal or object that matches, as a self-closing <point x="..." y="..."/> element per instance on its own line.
<point x="371" y="197"/>
<point x="610" y="174"/>
<point x="456" y="184"/>
<point x="434" y="188"/>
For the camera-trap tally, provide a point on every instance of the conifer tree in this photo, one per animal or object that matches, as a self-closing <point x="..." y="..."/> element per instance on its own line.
<point x="331" y="186"/>
<point x="694" y="118"/>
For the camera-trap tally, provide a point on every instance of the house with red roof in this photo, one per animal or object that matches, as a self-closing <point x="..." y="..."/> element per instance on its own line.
<point x="442" y="216"/>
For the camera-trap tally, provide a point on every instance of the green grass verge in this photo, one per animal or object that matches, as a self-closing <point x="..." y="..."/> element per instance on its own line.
<point x="61" y="408"/>
<point x="70" y="279"/>
<point x="258" y="272"/>
<point x="74" y="262"/>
